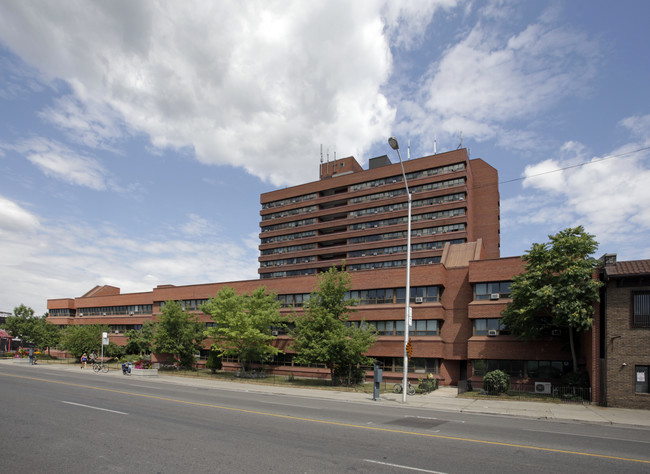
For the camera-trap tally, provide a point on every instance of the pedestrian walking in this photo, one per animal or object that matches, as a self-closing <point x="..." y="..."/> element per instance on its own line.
<point x="84" y="359"/>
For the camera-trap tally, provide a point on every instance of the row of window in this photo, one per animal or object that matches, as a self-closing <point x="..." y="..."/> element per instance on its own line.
<point x="371" y="184"/>
<point x="535" y="369"/>
<point x="288" y="261"/>
<point x="414" y="190"/>
<point x="404" y="219"/>
<point x="116" y="310"/>
<point x="419" y="294"/>
<point x="285" y="237"/>
<point x="416" y="365"/>
<point x="419" y="327"/>
<point x="409" y="177"/>
<point x="414" y="233"/>
<point x="292" y="248"/>
<point x="62" y="313"/>
<point x="393" y="264"/>
<point x="290" y="212"/>
<point x="399" y="249"/>
<point x="287" y="225"/>
<point x="288" y="273"/>
<point x="404" y="205"/>
<point x="292" y="200"/>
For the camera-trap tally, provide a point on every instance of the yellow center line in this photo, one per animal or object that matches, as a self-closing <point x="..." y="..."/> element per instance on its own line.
<point x="333" y="423"/>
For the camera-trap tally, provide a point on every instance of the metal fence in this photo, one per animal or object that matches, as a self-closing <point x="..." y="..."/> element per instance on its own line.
<point x="531" y="391"/>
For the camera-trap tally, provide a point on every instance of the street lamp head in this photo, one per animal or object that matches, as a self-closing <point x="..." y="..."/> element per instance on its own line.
<point x="392" y="141"/>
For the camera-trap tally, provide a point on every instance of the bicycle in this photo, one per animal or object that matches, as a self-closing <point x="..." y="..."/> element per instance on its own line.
<point x="397" y="388"/>
<point x="97" y="367"/>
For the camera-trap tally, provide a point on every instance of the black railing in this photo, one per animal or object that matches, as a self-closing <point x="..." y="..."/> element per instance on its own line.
<point x="530" y="391"/>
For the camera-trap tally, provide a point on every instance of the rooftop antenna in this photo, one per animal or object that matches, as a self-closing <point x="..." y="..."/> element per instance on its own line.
<point x="435" y="145"/>
<point x="328" y="160"/>
<point x="321" y="161"/>
<point x="408" y="149"/>
<point x="460" y="145"/>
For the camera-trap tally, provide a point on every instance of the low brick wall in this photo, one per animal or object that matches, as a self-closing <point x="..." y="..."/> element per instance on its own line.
<point x="144" y="372"/>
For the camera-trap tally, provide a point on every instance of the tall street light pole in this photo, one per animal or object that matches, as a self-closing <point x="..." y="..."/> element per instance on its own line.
<point x="392" y="141"/>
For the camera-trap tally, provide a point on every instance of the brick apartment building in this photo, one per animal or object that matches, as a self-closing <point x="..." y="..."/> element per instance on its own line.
<point x="625" y="326"/>
<point x="459" y="285"/>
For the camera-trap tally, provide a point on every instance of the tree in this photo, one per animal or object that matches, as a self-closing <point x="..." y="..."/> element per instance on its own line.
<point x="322" y="334"/>
<point x="32" y="329"/>
<point x="243" y="324"/>
<point x="20" y="324"/>
<point x="140" y="341"/>
<point x="178" y="333"/>
<point x="80" y="338"/>
<point x="557" y="289"/>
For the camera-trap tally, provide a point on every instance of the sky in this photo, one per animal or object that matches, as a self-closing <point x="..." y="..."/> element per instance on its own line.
<point x="137" y="137"/>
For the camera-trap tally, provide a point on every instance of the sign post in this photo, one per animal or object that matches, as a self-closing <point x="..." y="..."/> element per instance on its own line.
<point x="104" y="343"/>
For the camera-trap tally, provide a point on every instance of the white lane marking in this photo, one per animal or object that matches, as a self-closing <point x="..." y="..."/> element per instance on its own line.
<point x="94" y="408"/>
<point x="403" y="467"/>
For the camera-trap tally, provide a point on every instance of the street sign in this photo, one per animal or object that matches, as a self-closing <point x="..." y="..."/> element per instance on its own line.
<point x="104" y="339"/>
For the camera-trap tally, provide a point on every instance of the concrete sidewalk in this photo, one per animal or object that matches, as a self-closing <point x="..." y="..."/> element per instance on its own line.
<point x="442" y="399"/>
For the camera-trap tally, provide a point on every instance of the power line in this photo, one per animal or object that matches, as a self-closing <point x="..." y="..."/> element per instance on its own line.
<point x="576" y="166"/>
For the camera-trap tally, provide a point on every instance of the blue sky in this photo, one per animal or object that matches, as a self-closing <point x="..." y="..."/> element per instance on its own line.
<point x="136" y="137"/>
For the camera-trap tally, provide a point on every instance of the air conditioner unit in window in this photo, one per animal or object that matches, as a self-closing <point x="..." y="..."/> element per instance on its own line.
<point x="542" y="387"/>
<point x="131" y="313"/>
<point x="556" y="332"/>
<point x="494" y="296"/>
<point x="493" y="332"/>
<point x="274" y="333"/>
<point x="116" y="331"/>
<point x="419" y="299"/>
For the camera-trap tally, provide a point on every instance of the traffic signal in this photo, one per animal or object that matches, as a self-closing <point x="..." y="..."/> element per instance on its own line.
<point x="409" y="349"/>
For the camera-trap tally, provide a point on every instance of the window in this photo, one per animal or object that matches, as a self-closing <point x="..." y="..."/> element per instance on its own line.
<point x="641" y="379"/>
<point x="534" y="369"/>
<point x="484" y="291"/>
<point x="417" y="365"/>
<point x="641" y="309"/>
<point x="425" y="327"/>
<point x="482" y="326"/>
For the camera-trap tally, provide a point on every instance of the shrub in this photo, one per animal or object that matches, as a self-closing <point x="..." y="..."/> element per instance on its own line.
<point x="214" y="362"/>
<point x="428" y="384"/>
<point x="496" y="381"/>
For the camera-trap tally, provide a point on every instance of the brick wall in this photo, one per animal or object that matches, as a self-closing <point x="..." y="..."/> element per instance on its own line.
<point x="623" y="345"/>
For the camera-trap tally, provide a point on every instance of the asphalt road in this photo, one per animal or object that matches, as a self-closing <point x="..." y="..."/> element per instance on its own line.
<point x="62" y="421"/>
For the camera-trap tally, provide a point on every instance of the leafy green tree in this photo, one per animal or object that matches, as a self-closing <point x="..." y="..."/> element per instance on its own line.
<point x="32" y="329"/>
<point x="322" y="334"/>
<point x="557" y="289"/>
<point x="20" y="324"/>
<point x="178" y="333"/>
<point x="140" y="341"/>
<point x="46" y="335"/>
<point x="243" y="324"/>
<point x="80" y="338"/>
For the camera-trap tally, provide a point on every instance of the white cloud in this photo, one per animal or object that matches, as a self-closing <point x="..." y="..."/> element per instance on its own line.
<point x="608" y="195"/>
<point x="57" y="160"/>
<point x="14" y="219"/>
<point x="67" y="260"/>
<point x="491" y="79"/>
<point x="259" y="85"/>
